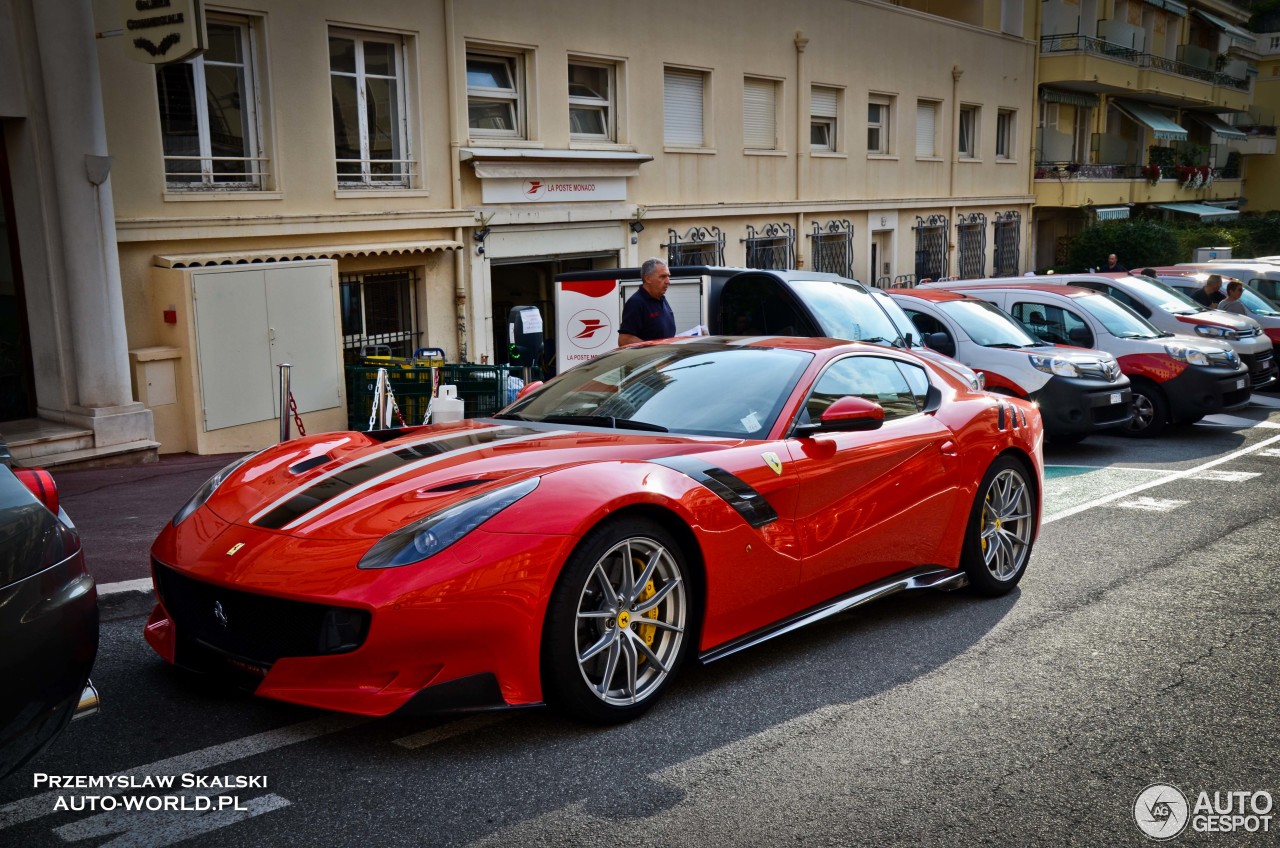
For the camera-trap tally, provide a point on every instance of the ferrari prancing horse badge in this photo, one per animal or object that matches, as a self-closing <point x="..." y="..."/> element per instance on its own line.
<point x="772" y="459"/>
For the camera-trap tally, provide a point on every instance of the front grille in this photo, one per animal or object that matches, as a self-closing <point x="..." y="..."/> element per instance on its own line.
<point x="1104" y="411"/>
<point x="1260" y="366"/>
<point x="253" y="627"/>
<point x="1109" y="371"/>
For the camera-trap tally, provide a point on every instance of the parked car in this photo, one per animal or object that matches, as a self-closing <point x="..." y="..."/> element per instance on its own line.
<point x="1261" y="287"/>
<point x="1079" y="391"/>
<point x="663" y="502"/>
<point x="48" y="616"/>
<point x="1175" y="379"/>
<point x="1259" y="275"/>
<point x="1174" y="312"/>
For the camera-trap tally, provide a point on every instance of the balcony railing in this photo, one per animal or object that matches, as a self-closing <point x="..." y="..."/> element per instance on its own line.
<point x="1084" y="171"/>
<point x="1084" y="44"/>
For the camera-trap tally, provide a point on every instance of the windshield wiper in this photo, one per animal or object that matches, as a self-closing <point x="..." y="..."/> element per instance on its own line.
<point x="605" y="421"/>
<point x="881" y="340"/>
<point x="1007" y="345"/>
<point x="511" y="416"/>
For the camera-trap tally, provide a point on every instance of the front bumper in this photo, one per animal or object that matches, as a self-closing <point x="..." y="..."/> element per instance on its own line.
<point x="472" y="611"/>
<point x="1199" y="391"/>
<point x="1072" y="406"/>
<point x="1262" y="368"/>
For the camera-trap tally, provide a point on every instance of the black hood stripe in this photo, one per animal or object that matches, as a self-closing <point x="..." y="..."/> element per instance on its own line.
<point x="734" y="491"/>
<point x="349" y="480"/>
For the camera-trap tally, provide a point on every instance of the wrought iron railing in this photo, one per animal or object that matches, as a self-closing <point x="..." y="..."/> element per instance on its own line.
<point x="698" y="246"/>
<point x="1071" y="43"/>
<point x="773" y="247"/>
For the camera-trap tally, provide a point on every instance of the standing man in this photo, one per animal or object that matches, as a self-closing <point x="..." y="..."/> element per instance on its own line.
<point x="647" y="315"/>
<point x="1210" y="294"/>
<point x="1113" y="264"/>
<point x="1232" y="302"/>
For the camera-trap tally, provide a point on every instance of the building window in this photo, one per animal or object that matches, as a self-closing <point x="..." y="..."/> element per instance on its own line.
<point x="831" y="247"/>
<point x="931" y="247"/>
<point x="878" y="126"/>
<point x="1005" y="127"/>
<point x="698" y="246"/>
<point x="377" y="314"/>
<point x="771" y="247"/>
<point x="495" y="108"/>
<point x="208" y="116"/>
<point x="683" y="98"/>
<point x="968" y="143"/>
<point x="824" y="106"/>
<point x="591" y="102"/>
<point x="759" y="114"/>
<point x="926" y="129"/>
<point x="366" y="71"/>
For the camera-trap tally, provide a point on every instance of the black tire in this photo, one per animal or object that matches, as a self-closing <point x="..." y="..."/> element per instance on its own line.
<point x="1002" y="523"/>
<point x="594" y="670"/>
<point x="1150" y="412"/>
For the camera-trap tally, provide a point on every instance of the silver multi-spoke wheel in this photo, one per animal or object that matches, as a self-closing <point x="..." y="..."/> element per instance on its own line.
<point x="631" y="617"/>
<point x="1002" y="527"/>
<point x="1006" y="525"/>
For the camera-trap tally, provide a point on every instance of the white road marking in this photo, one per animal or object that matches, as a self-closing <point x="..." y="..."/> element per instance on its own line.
<point x="146" y="829"/>
<point x="1272" y="452"/>
<point x="1234" y="422"/>
<point x="142" y="584"/>
<point x="38" y="806"/>
<point x="1151" y="504"/>
<point x="1227" y="476"/>
<point x="1264" y="401"/>
<point x="1171" y="476"/>
<point x="450" y="730"/>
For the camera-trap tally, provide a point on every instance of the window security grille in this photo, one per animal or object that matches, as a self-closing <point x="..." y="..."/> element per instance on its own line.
<point x="698" y="246"/>
<point x="1007" y="227"/>
<point x="378" y="314"/>
<point x="931" y="247"/>
<point x="971" y="234"/>
<point x="831" y="247"/>
<point x="773" y="247"/>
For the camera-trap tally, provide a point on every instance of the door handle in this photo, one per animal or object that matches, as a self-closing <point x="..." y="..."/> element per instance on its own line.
<point x="948" y="448"/>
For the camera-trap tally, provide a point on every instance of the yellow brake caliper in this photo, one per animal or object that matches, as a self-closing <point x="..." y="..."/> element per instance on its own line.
<point x="648" y="631"/>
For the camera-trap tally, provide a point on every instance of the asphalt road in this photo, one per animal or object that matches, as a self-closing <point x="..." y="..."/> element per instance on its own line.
<point x="1141" y="648"/>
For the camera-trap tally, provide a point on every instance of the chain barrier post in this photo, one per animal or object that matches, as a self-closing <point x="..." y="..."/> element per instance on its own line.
<point x="383" y="402"/>
<point x="286" y="397"/>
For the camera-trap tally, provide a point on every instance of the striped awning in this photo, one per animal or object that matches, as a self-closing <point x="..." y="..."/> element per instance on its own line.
<point x="1237" y="34"/>
<point x="1169" y="6"/>
<point x="1070" y="98"/>
<point x="1111" y="213"/>
<point x="1161" y="127"/>
<point x="1200" y="210"/>
<point x="287" y="254"/>
<point x="1218" y="125"/>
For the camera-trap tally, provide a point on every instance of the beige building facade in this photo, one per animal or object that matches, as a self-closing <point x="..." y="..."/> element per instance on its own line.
<point x="328" y="180"/>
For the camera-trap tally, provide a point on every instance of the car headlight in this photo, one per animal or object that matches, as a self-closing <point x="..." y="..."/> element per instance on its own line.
<point x="1189" y="355"/>
<point x="1216" y="332"/>
<point x="430" y="535"/>
<point x="206" y="491"/>
<point x="1054" y="365"/>
<point x="979" y="380"/>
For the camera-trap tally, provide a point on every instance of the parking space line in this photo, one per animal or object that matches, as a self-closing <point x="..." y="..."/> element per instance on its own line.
<point x="38" y="806"/>
<point x="450" y="730"/>
<point x="1151" y="504"/>
<point x="1167" y="478"/>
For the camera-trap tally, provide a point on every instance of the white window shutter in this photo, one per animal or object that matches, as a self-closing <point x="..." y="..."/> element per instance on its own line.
<point x="823" y="103"/>
<point x="759" y="114"/>
<point x="926" y="120"/>
<point x="682" y="93"/>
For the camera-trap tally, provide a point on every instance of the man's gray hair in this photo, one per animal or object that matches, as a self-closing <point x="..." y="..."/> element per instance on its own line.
<point x="651" y="265"/>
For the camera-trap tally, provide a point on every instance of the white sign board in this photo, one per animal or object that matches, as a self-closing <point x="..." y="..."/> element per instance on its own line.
<point x="158" y="32"/>
<point x="553" y="189"/>
<point x="587" y="317"/>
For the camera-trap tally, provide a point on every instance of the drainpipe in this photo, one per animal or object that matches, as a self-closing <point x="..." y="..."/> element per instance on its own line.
<point x="956" y="73"/>
<point x="460" y="258"/>
<point x="802" y="141"/>
<point x="1035" y="107"/>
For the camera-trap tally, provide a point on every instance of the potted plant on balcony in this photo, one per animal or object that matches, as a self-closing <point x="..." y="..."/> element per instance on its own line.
<point x="1151" y="173"/>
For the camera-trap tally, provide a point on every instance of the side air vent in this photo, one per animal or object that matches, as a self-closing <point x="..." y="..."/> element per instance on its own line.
<point x="308" y="464"/>
<point x="454" y="487"/>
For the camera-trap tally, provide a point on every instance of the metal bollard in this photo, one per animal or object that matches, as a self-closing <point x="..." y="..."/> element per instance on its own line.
<point x="284" y="401"/>
<point x="383" y="402"/>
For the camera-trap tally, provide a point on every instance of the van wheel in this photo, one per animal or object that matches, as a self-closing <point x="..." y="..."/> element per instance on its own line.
<point x="1150" y="412"/>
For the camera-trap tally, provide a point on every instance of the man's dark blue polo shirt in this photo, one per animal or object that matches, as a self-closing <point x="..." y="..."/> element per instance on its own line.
<point x="647" y="317"/>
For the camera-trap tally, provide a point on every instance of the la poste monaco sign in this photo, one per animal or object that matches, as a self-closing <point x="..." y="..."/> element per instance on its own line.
<point x="553" y="189"/>
<point x="162" y="31"/>
<point x="587" y="314"/>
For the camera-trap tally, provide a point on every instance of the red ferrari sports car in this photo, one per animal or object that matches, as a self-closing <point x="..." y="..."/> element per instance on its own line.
<point x="666" y="500"/>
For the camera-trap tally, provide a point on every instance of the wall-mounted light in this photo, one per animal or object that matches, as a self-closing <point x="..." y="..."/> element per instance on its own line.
<point x="480" y="235"/>
<point x="636" y="227"/>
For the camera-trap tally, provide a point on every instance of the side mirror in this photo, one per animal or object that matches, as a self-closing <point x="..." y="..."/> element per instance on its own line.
<point x="528" y="388"/>
<point x="846" y="414"/>
<point x="1080" y="336"/>
<point x="941" y="342"/>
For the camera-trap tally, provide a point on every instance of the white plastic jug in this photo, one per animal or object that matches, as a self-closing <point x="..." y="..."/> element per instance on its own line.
<point x="447" y="406"/>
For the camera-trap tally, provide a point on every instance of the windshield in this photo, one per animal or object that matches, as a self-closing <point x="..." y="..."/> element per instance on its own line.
<point x="901" y="323"/>
<point x="987" y="325"/>
<point x="706" y="388"/>
<point x="1258" y="304"/>
<point x="1164" y="297"/>
<point x="1120" y="321"/>
<point x="846" y="312"/>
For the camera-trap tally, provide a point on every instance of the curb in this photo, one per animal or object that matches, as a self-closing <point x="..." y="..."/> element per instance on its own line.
<point x="124" y="600"/>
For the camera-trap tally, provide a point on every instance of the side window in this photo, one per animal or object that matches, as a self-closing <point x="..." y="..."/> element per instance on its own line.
<point x="1128" y="301"/>
<point x="870" y="377"/>
<point x="1036" y="318"/>
<point x="754" y="306"/>
<point x="925" y="323"/>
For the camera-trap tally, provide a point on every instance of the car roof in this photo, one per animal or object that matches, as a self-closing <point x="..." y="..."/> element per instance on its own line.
<point x="933" y="295"/>
<point x="812" y="344"/>
<point x="1019" y="285"/>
